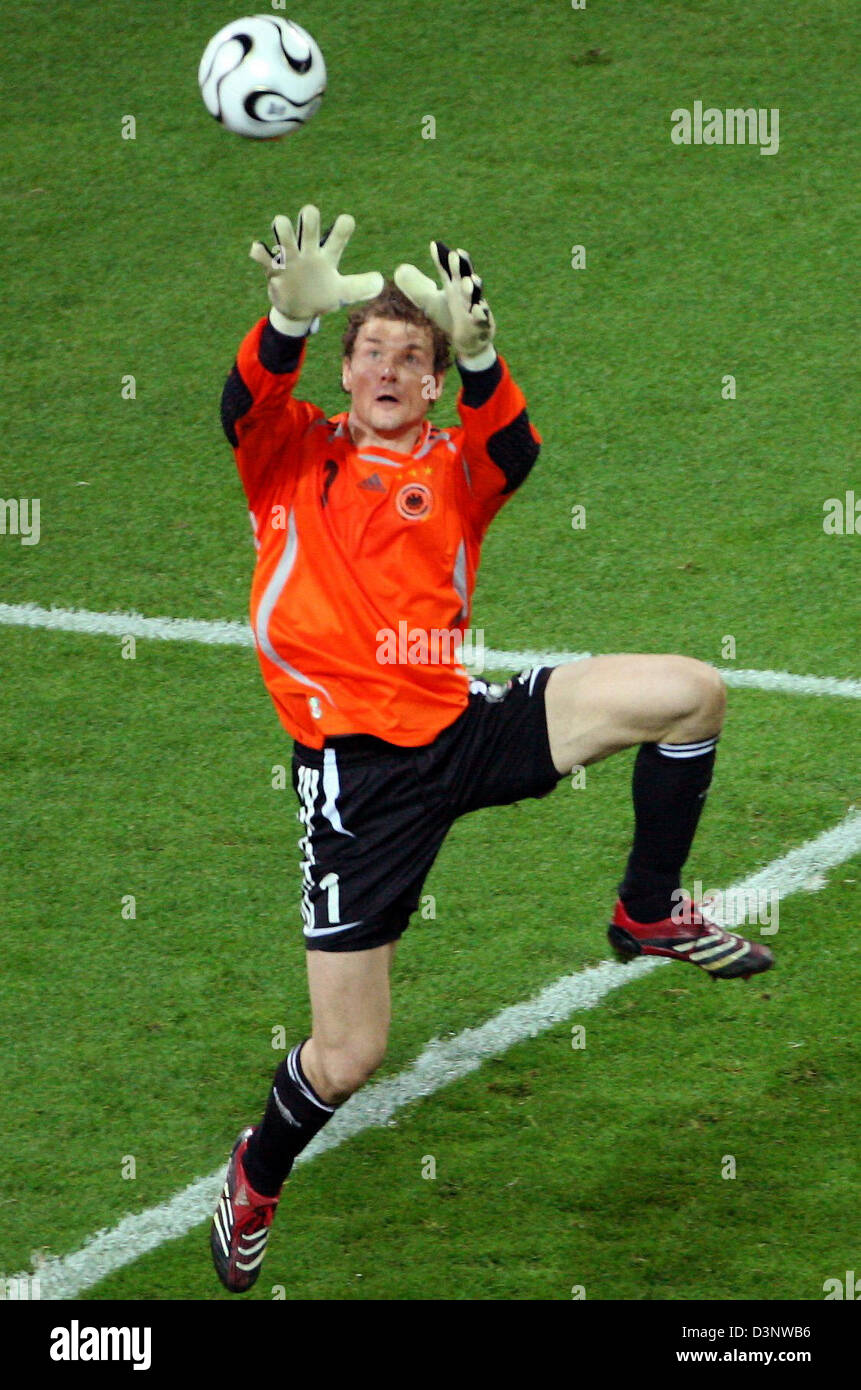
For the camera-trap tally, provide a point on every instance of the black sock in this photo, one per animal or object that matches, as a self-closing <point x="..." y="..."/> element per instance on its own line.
<point x="669" y="788"/>
<point x="294" y="1114"/>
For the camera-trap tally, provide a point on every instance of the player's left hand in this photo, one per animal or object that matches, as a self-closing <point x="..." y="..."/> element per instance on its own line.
<point x="458" y="306"/>
<point x="302" y="272"/>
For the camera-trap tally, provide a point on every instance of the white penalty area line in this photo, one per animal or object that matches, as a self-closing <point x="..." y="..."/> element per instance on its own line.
<point x="235" y="634"/>
<point x="440" y="1064"/>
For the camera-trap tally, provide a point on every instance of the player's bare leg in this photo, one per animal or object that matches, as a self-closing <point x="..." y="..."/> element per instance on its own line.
<point x="351" y="1011"/>
<point x="605" y="703"/>
<point x="673" y="707"/>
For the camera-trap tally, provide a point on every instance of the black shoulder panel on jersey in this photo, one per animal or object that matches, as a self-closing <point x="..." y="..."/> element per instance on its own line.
<point x="478" y="387"/>
<point x="514" y="450"/>
<point x="236" y="401"/>
<point x="279" y="353"/>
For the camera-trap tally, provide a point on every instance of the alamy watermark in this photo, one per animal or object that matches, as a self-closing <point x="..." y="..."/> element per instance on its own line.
<point x="19" y="516"/>
<point x="842" y="515"/>
<point x="435" y="646"/>
<point x="77" y="1343"/>
<point x="737" y="906"/>
<point x="734" y="126"/>
<point x="837" y="1288"/>
<point x="20" y="1286"/>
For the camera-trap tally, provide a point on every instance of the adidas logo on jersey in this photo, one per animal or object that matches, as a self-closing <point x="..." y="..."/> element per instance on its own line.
<point x="373" y="484"/>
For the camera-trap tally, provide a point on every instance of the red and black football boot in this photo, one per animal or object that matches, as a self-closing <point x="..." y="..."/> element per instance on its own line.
<point x="694" y="938"/>
<point x="240" y="1226"/>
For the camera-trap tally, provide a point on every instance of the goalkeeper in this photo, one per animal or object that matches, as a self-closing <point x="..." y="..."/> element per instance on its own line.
<point x="366" y="521"/>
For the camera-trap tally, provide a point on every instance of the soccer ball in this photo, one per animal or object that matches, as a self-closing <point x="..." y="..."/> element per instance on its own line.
<point x="262" y="77"/>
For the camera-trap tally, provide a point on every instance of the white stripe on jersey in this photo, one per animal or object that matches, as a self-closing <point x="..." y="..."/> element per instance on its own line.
<point x="458" y="580"/>
<point x="268" y="602"/>
<point x="379" y="458"/>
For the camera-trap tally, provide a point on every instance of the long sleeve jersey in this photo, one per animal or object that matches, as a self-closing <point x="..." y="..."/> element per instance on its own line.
<point x="355" y="545"/>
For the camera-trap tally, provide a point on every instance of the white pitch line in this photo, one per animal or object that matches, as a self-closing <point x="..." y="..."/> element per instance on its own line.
<point x="440" y="1064"/>
<point x="221" y="634"/>
<point x="236" y="634"/>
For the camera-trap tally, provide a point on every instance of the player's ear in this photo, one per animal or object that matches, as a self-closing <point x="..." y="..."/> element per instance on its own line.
<point x="347" y="375"/>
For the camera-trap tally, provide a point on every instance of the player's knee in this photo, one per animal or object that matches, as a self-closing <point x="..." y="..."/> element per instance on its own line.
<point x="700" y="690"/>
<point x="712" y="694"/>
<point x="346" y="1070"/>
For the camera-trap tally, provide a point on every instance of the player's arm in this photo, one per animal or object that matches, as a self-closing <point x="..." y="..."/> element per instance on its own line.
<point x="500" y="445"/>
<point x="257" y="402"/>
<point x="259" y="413"/>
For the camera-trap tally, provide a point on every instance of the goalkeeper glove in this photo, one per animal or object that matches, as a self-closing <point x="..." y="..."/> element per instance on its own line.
<point x="458" y="307"/>
<point x="302" y="271"/>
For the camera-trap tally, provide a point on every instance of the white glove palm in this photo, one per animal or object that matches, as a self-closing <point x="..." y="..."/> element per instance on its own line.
<point x="302" y="272"/>
<point x="458" y="306"/>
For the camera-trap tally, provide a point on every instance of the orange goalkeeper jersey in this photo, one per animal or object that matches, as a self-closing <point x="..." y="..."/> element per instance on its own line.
<point x="364" y="554"/>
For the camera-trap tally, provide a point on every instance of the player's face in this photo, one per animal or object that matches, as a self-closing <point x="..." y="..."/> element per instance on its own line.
<point x="389" y="377"/>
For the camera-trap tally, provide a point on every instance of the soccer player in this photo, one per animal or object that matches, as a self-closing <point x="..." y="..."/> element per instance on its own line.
<point x="374" y="518"/>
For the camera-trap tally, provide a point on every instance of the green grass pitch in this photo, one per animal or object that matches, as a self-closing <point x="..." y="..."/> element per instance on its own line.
<point x="555" y="1167"/>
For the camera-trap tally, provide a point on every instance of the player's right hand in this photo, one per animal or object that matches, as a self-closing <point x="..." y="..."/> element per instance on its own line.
<point x="302" y="271"/>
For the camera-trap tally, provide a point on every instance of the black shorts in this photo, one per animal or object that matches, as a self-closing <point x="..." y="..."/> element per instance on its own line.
<point x="375" y="815"/>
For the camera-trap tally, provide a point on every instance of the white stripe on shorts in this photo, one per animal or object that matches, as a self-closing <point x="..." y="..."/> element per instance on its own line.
<point x="331" y="791"/>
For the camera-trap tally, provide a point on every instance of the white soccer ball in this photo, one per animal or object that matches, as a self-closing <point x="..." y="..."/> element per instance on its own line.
<point x="262" y="77"/>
